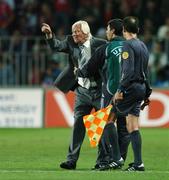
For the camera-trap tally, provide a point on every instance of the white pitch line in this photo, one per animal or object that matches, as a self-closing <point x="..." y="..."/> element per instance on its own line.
<point x="78" y="171"/>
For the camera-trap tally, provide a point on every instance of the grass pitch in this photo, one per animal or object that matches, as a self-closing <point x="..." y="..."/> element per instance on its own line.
<point x="35" y="154"/>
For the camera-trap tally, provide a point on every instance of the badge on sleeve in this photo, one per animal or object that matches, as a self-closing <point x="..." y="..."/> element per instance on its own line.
<point x="125" y="55"/>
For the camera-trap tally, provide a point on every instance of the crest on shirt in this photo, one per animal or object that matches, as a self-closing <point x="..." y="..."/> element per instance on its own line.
<point x="125" y="55"/>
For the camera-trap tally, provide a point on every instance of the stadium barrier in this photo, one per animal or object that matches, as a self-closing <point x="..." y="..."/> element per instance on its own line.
<point x="21" y="107"/>
<point x="37" y="108"/>
<point x="59" y="109"/>
<point x="25" y="61"/>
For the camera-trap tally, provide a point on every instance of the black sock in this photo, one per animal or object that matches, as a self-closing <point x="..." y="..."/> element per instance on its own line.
<point x="136" y="145"/>
<point x="113" y="138"/>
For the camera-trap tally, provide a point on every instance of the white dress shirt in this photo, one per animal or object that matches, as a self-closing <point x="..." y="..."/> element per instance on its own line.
<point x="85" y="56"/>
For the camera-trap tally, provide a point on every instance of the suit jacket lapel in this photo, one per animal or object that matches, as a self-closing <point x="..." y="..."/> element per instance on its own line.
<point x="92" y="42"/>
<point x="76" y="55"/>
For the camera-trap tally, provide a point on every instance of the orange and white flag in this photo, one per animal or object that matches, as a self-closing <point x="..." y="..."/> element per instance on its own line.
<point x="95" y="123"/>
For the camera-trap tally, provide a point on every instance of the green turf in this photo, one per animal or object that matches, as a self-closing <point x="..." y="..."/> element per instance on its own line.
<point x="35" y="154"/>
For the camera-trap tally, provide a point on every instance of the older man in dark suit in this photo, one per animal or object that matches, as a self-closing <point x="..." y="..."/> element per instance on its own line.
<point x="80" y="46"/>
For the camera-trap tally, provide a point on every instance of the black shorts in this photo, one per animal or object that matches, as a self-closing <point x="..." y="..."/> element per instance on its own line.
<point x="131" y="102"/>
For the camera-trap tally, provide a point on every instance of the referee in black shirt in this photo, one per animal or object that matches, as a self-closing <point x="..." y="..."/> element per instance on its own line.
<point x="134" y="87"/>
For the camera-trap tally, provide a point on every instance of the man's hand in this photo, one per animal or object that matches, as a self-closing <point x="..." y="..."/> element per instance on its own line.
<point x="118" y="96"/>
<point x="145" y="103"/>
<point x="47" y="30"/>
<point x="75" y="70"/>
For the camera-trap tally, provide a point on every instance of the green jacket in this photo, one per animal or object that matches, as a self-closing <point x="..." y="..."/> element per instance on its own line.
<point x="113" y="58"/>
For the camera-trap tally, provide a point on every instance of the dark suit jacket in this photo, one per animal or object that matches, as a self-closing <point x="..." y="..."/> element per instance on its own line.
<point x="66" y="80"/>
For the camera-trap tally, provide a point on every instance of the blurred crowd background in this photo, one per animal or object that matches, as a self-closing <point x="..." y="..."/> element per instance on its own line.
<point x="26" y="60"/>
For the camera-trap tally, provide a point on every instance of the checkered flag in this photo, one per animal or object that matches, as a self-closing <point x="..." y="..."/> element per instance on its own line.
<point x="95" y="124"/>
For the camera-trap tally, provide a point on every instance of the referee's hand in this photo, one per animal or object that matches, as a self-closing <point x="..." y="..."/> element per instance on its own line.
<point x="118" y="96"/>
<point x="145" y="103"/>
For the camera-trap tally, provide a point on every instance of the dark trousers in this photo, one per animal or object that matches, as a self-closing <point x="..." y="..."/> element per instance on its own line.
<point x="85" y="101"/>
<point x="105" y="150"/>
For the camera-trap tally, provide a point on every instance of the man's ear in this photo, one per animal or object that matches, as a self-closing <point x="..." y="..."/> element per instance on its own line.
<point x="112" y="32"/>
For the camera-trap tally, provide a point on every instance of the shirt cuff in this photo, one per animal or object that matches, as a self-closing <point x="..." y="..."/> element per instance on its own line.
<point x="121" y="89"/>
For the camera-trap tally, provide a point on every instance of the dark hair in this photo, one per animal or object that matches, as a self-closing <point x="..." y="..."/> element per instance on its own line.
<point x="131" y="24"/>
<point x="117" y="25"/>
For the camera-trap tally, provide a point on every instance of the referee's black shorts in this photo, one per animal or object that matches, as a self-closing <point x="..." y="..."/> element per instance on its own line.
<point x="132" y="99"/>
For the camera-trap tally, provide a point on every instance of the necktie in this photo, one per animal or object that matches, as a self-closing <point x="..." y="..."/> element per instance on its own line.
<point x="84" y="57"/>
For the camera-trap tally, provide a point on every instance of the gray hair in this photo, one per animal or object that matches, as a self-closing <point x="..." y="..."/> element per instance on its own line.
<point x="84" y="27"/>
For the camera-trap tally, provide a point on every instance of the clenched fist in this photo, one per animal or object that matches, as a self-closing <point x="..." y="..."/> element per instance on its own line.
<point x="47" y="30"/>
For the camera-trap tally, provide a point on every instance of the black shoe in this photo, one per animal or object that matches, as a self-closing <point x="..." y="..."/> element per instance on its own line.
<point x="131" y="164"/>
<point x="133" y="167"/>
<point x="68" y="165"/>
<point x="112" y="165"/>
<point x="98" y="166"/>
